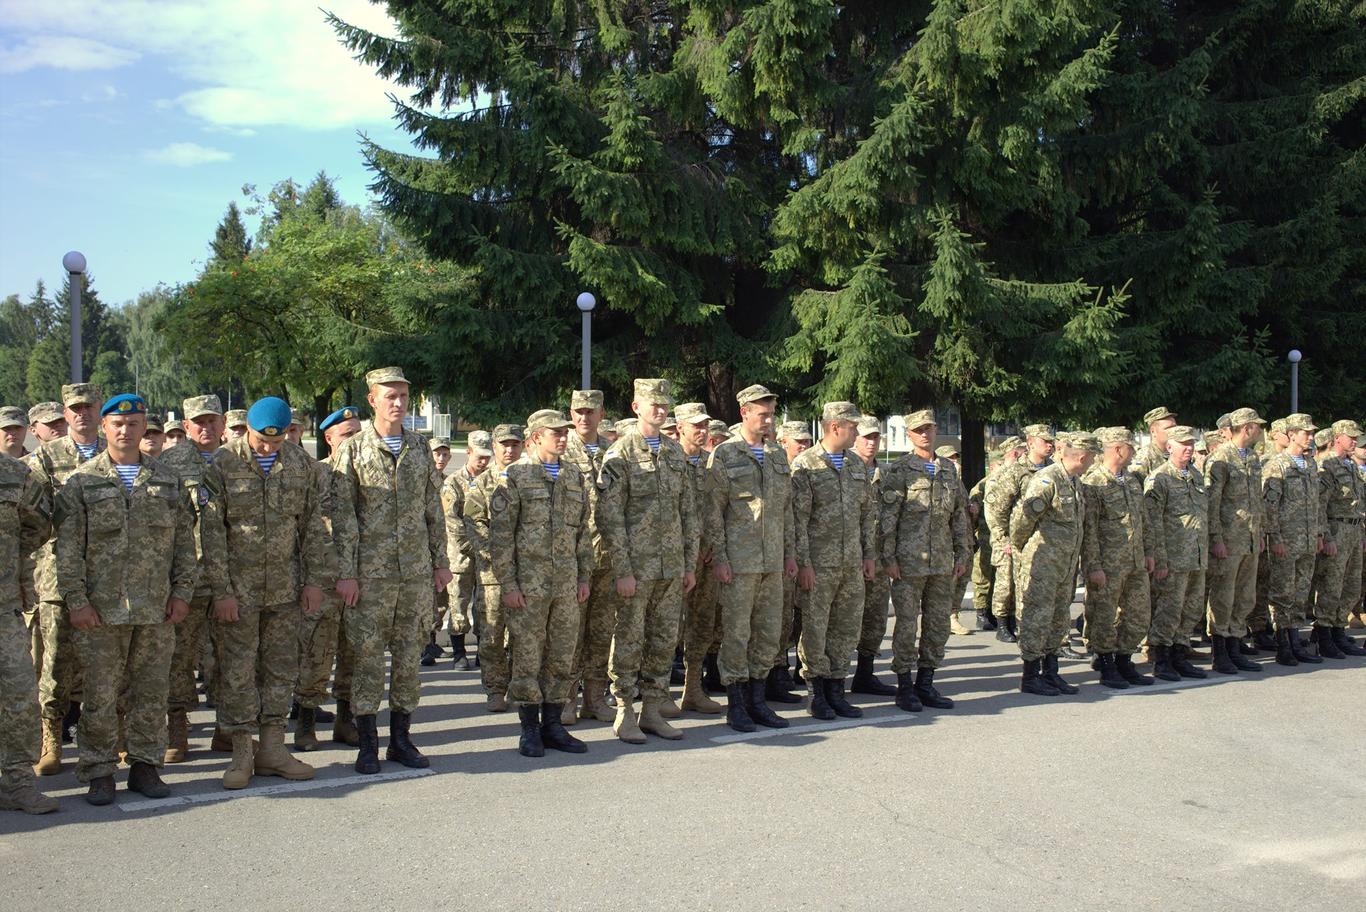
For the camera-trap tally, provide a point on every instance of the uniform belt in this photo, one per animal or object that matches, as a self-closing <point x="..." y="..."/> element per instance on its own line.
<point x="1350" y="522"/>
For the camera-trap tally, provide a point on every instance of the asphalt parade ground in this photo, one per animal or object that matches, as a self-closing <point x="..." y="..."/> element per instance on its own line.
<point x="1228" y="793"/>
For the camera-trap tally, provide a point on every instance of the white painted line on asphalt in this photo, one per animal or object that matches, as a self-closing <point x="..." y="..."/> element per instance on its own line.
<point x="1184" y="683"/>
<point x="279" y="788"/>
<point x="808" y="729"/>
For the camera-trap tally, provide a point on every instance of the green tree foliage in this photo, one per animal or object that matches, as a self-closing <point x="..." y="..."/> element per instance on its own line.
<point x="230" y="243"/>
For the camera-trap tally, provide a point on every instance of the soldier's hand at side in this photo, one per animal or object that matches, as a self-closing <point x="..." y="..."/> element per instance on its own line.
<point x="311" y="599"/>
<point x="869" y="570"/>
<point x="722" y="572"/>
<point x="790" y="568"/>
<point x="705" y="557"/>
<point x="626" y="586"/>
<point x="349" y="592"/>
<point x="441" y="578"/>
<point x="1318" y="545"/>
<point x="176" y="609"/>
<point x="1219" y="550"/>
<point x="581" y="593"/>
<point x="1149" y="564"/>
<point x="959" y="570"/>
<point x="513" y="598"/>
<point x="1007" y="548"/>
<point x="1096" y="578"/>
<point x="1160" y="574"/>
<point x="1278" y="549"/>
<point x="893" y="571"/>
<point x="1330" y="549"/>
<point x="85" y="618"/>
<point x="689" y="582"/>
<point x="1261" y="546"/>
<point x="806" y="579"/>
<point x="973" y="510"/>
<point x="225" y="609"/>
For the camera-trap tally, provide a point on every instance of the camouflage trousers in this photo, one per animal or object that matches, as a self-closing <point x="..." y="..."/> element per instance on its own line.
<point x="322" y="642"/>
<point x="922" y="605"/>
<point x="644" y="639"/>
<point x="19" y="725"/>
<point x="1232" y="594"/>
<point x="983" y="578"/>
<point x="702" y="618"/>
<point x="494" y="670"/>
<point x="794" y="603"/>
<point x="541" y="642"/>
<point x="751" y="609"/>
<point x="258" y="663"/>
<point x="189" y="635"/>
<point x="457" y="602"/>
<point x="831" y="615"/>
<point x="1290" y="580"/>
<point x="1044" y="607"/>
<point x="128" y="664"/>
<point x="1118" y="613"/>
<point x="597" y="623"/>
<point x="1337" y="577"/>
<point x="1260" y="618"/>
<point x="877" y="595"/>
<point x="1003" y="589"/>
<point x="390" y="613"/>
<point x="1180" y="604"/>
<point x="61" y="666"/>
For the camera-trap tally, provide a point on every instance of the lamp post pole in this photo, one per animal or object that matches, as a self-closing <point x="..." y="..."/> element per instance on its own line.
<point x="1294" y="359"/>
<point x="74" y="262"/>
<point x="586" y="302"/>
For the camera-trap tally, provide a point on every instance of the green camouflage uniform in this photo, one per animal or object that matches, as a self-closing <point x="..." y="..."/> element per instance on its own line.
<point x="835" y="531"/>
<point x="125" y="555"/>
<point x="1114" y="540"/>
<point x="983" y="571"/>
<point x="1294" y="518"/>
<point x="541" y="546"/>
<point x="494" y="671"/>
<point x="463" y="566"/>
<point x="24" y="528"/>
<point x="1177" y="512"/>
<point x="597" y="616"/>
<point x="264" y="540"/>
<point x="877" y="592"/>
<point x="190" y="464"/>
<point x="702" y="620"/>
<point x="390" y="536"/>
<point x="1235" y="518"/>
<point x="1006" y="487"/>
<point x="321" y="639"/>
<point x="1046" y="532"/>
<point x="1337" y="577"/>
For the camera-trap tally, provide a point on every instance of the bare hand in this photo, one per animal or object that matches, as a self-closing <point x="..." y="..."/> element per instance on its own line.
<point x="893" y="571"/>
<point x="869" y="570"/>
<point x="1149" y="564"/>
<point x="1161" y="574"/>
<point x="85" y="618"/>
<point x="1330" y="549"/>
<point x="310" y="600"/>
<point x="626" y="587"/>
<point x="806" y="579"/>
<point x="959" y="570"/>
<point x="722" y="572"/>
<point x="689" y="582"/>
<point x="790" y="568"/>
<point x="1007" y="549"/>
<point x="176" y="609"/>
<point x="441" y="578"/>
<point x="1318" y="545"/>
<point x="1278" y="549"/>
<point x="580" y="594"/>
<point x="1096" y="578"/>
<point x="225" y="610"/>
<point x="1219" y="550"/>
<point x="974" y="510"/>
<point x="349" y="592"/>
<point x="514" y="599"/>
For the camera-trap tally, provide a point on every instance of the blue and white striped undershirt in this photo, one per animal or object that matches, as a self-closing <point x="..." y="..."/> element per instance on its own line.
<point x="1299" y="461"/>
<point x="552" y="469"/>
<point x="592" y="448"/>
<point x="394" y="443"/>
<point x="1185" y="473"/>
<point x="836" y="460"/>
<point x="1243" y="451"/>
<point x="758" y="452"/>
<point x="697" y="460"/>
<point x="931" y="468"/>
<point x="127" y="473"/>
<point x="266" y="462"/>
<point x="86" y="449"/>
<point x="207" y="456"/>
<point x="654" y="443"/>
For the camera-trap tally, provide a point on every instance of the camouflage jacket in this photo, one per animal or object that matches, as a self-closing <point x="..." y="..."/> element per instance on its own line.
<point x="590" y="464"/>
<point x="473" y="535"/>
<point x="1235" y="500"/>
<point x="539" y="538"/>
<point x="977" y="525"/>
<point x="1294" y="513"/>
<point x="697" y="483"/>
<point x="1146" y="461"/>
<point x="125" y="554"/>
<point x="645" y="510"/>
<point x="1114" y="535"/>
<point x="1342" y="493"/>
<point x="749" y="508"/>
<point x="264" y="535"/>
<point x="52" y="463"/>
<point x="189" y="463"/>
<point x="453" y="491"/>
<point x="1002" y="492"/>
<point x="386" y="510"/>
<point x="924" y="518"/>
<point x="1047" y="523"/>
<point x="1177" y="513"/>
<point x="25" y="526"/>
<point x="834" y="511"/>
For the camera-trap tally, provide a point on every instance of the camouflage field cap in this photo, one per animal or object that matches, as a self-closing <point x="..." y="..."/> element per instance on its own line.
<point x="44" y="412"/>
<point x="1323" y="438"/>
<point x="154" y="422"/>
<point x="480" y="443"/>
<point x="81" y="394"/>
<point x="296" y="416"/>
<point x="1158" y="414"/>
<point x="437" y="443"/>
<point x="1010" y="443"/>
<point x="670" y="422"/>
<point x="1278" y="426"/>
<point x="1182" y="433"/>
<point x="1041" y="431"/>
<point x="868" y="425"/>
<point x="1239" y="417"/>
<point x="794" y="430"/>
<point x="1082" y="440"/>
<point x="547" y="419"/>
<point x="653" y="391"/>
<point x="12" y="416"/>
<point x="717" y="428"/>
<point x="1208" y="443"/>
<point x="1224" y="421"/>
<point x="505" y="432"/>
<point x="919" y="418"/>
<point x="382" y="375"/>
<point x="196" y="406"/>
<point x="585" y="399"/>
<point x="1346" y="426"/>
<point x="235" y="418"/>
<point x="841" y="411"/>
<point x="756" y="393"/>
<point x="624" y="426"/>
<point x="1112" y="436"/>
<point x="946" y="452"/>
<point x="692" y="413"/>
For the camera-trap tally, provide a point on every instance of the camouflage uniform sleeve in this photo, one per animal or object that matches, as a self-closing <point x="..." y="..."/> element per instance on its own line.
<point x="801" y="514"/>
<point x="718" y="492"/>
<point x="475" y="527"/>
<point x="868" y="522"/>
<point x="213" y="534"/>
<point x="1273" y="489"/>
<point x="1216" y="480"/>
<point x="691" y="521"/>
<point x="1090" y="527"/>
<point x="611" y="514"/>
<point x="962" y="526"/>
<point x="1325" y="495"/>
<point x="319" y="557"/>
<point x="505" y="508"/>
<point x="35" y="527"/>
<point x="789" y="527"/>
<point x="1155" y="499"/>
<point x="69" y="530"/>
<point x="1029" y="509"/>
<point x="184" y="558"/>
<point x="889" y="512"/>
<point x="345" y="527"/>
<point x="997" y="501"/>
<point x="453" y="509"/>
<point x="436" y="522"/>
<point x="584" y="545"/>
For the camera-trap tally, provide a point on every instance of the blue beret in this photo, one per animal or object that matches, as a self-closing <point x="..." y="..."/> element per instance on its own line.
<point x="124" y="404"/>
<point x="269" y="416"/>
<point x="345" y="413"/>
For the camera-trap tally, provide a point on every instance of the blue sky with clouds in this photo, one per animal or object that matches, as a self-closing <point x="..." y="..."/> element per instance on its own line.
<point x="127" y="126"/>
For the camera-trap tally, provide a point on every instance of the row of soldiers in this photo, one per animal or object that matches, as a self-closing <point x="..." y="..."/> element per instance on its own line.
<point x="583" y="562"/>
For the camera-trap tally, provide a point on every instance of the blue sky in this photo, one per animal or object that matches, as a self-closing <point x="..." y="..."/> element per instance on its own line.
<point x="127" y="126"/>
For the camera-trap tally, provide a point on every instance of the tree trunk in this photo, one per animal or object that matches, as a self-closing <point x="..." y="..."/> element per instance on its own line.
<point x="974" y="451"/>
<point x="322" y="407"/>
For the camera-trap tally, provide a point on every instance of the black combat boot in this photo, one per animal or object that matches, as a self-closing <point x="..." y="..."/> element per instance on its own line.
<point x="1266" y="640"/>
<point x="530" y="743"/>
<point x="927" y="693"/>
<point x="144" y="779"/>
<point x="100" y="791"/>
<point x="1345" y="643"/>
<point x="1032" y="680"/>
<point x="1245" y="649"/>
<point x="711" y="676"/>
<point x="865" y="682"/>
<point x="1067" y="652"/>
<point x="1222" y="663"/>
<point x="834" y="695"/>
<point x="985" y="619"/>
<point x="1162" y="663"/>
<point x="322" y="716"/>
<point x="675" y="671"/>
<point x="1236" y="656"/>
<point x="737" y="713"/>
<point x="775" y="688"/>
<point x="1124" y="663"/>
<point x="305" y="731"/>
<point x="759" y="711"/>
<point x="819" y="707"/>
<point x="1051" y="675"/>
<point x="1297" y="646"/>
<point x="1181" y="662"/>
<point x="401" y="748"/>
<point x="1005" y="629"/>
<point x="70" y="721"/>
<point x="1109" y="672"/>
<point x="905" y="693"/>
<point x="553" y="733"/>
<point x="367" y="758"/>
<point x="1285" y="655"/>
<point x="458" y="654"/>
<point x="1323" y="638"/>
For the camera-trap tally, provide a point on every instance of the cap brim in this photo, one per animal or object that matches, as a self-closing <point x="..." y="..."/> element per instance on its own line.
<point x="200" y="413"/>
<point x="80" y="400"/>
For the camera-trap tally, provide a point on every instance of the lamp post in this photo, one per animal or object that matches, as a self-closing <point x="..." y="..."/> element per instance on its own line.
<point x="1294" y="359"/>
<point x="586" y="302"/>
<point x="74" y="262"/>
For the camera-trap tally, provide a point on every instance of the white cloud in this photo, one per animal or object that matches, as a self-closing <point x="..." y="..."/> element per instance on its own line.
<point x="250" y="63"/>
<point x="186" y="155"/>
<point x="63" y="52"/>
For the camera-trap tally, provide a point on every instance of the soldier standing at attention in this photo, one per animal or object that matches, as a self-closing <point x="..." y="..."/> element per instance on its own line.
<point x="999" y="502"/>
<point x="1294" y="528"/>
<point x="1337" y="578"/>
<point x="1234" y="473"/>
<point x="983" y="571"/>
<point x="795" y="438"/>
<point x="154" y="441"/>
<point x="390" y="535"/>
<point x="126" y="570"/>
<point x="478" y="452"/>
<point x="749" y="503"/>
<point x="648" y="522"/>
<point x="267" y="558"/>
<point x="834" y="512"/>
<point x="1177" y="514"/>
<point x="431" y="651"/>
<point x="235" y="423"/>
<point x="13" y="432"/>
<point x="701" y="624"/>
<point x="960" y="585"/>
<point x="585" y="449"/>
<point x="1159" y="422"/>
<point x="877" y="592"/>
<point x="47" y="421"/>
<point x="543" y="560"/>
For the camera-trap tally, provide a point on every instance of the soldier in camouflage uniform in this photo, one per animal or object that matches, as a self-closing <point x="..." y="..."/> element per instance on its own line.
<point x="701" y="621"/>
<point x="1294" y="530"/>
<point x="24" y="528"/>
<point x="749" y="521"/>
<point x="154" y="441"/>
<point x="267" y="559"/>
<point x="1234" y="473"/>
<point x="1153" y="455"/>
<point x="126" y="567"/>
<point x="1001" y="496"/>
<point x="47" y="422"/>
<point x="795" y="438"/>
<point x="1117" y="560"/>
<point x="925" y="548"/>
<point x="490" y="621"/>
<point x="478" y="452"/>
<point x="585" y="449"/>
<point x="52" y="463"/>
<point x="390" y="536"/>
<point x="542" y="552"/>
<point x="431" y="650"/>
<point x="983" y="570"/>
<point x="648" y="521"/>
<point x="13" y="432"/>
<point x="1177" y="515"/>
<point x="960" y="585"/>
<point x="1259" y="622"/>
<point x="877" y="592"/>
<point x="835" y="518"/>
<point x="1354" y="618"/>
<point x="235" y="424"/>
<point x="1337" y="576"/>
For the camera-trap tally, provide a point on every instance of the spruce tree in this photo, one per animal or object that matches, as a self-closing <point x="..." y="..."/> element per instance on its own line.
<point x="230" y="243"/>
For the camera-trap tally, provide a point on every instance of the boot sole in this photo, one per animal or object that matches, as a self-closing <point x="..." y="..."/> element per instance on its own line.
<point x="675" y="736"/>
<point x="292" y="777"/>
<point x="710" y="710"/>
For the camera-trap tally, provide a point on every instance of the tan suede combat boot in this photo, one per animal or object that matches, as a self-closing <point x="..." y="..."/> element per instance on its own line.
<point x="274" y="759"/>
<point x="956" y="627"/>
<point x="222" y="741"/>
<point x="569" y="714"/>
<point x="625" y="726"/>
<point x="653" y="721"/>
<point x="668" y="708"/>
<point x="50" y="762"/>
<point x="595" y="702"/>
<point x="695" y="695"/>
<point x="177" y="736"/>
<point x="24" y="796"/>
<point x="240" y="768"/>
